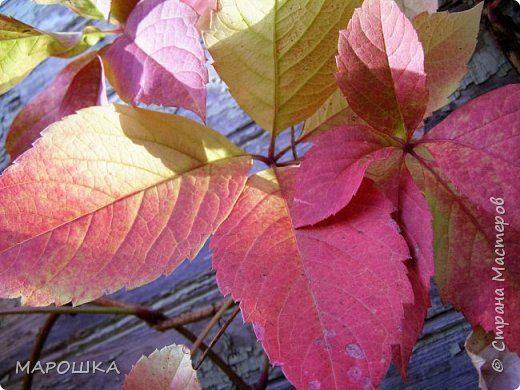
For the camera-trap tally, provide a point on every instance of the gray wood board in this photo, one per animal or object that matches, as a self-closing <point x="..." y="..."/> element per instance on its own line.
<point x="439" y="360"/>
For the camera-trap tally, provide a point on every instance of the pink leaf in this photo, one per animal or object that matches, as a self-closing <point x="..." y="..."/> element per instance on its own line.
<point x="169" y="368"/>
<point x="381" y="68"/>
<point x="325" y="301"/>
<point x="80" y="84"/>
<point x="333" y="170"/>
<point x="159" y="58"/>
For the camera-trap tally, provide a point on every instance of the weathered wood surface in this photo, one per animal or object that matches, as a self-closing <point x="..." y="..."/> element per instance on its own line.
<point x="439" y="360"/>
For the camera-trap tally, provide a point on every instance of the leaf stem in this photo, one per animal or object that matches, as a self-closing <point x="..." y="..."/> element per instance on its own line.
<point x="227" y="304"/>
<point x="272" y="149"/>
<point x="259" y="157"/>
<point x="293" y="143"/>
<point x="37" y="349"/>
<point x="218" y="336"/>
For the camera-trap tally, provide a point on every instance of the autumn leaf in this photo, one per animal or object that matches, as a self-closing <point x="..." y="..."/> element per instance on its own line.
<point x="112" y="197"/>
<point x="325" y="301"/>
<point x="449" y="40"/>
<point x="23" y="47"/>
<point x="334" y="169"/>
<point x="94" y="9"/>
<point x="284" y="50"/>
<point x="464" y="162"/>
<point x="383" y="76"/>
<point x="169" y="368"/>
<point x="80" y="84"/>
<point x="439" y="33"/>
<point x="445" y="212"/>
<point x="159" y="58"/>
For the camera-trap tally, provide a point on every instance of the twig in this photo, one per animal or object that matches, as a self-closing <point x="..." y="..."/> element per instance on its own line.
<point x="272" y="149"/>
<point x="264" y="375"/>
<point x="259" y="157"/>
<point x="151" y="317"/>
<point x="188" y="318"/>
<point x="293" y="143"/>
<point x="216" y="359"/>
<point x="227" y="304"/>
<point x="218" y="336"/>
<point x="37" y="349"/>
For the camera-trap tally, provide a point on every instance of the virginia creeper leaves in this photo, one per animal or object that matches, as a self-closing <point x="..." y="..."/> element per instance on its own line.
<point x="80" y="84"/>
<point x="284" y="50"/>
<point x="449" y="40"/>
<point x="169" y="368"/>
<point x="326" y="301"/>
<point x="112" y="197"/>
<point x="476" y="158"/>
<point x="159" y="58"/>
<point x="383" y="76"/>
<point x="472" y="156"/>
<point x="23" y="47"/>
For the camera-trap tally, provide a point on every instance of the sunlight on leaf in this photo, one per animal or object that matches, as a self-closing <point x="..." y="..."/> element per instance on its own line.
<point x="277" y="57"/>
<point x="23" y="47"/>
<point x="170" y="368"/>
<point x="112" y="197"/>
<point x="449" y="40"/>
<point x="159" y="58"/>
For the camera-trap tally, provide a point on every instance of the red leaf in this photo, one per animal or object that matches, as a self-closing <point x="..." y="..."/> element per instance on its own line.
<point x="477" y="147"/>
<point x="80" y="84"/>
<point x="416" y="221"/>
<point x="326" y="301"/>
<point x="381" y="68"/>
<point x="159" y="58"/>
<point x="333" y="170"/>
<point x="477" y="157"/>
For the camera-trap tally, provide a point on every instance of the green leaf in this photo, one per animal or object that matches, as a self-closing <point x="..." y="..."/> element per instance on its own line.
<point x="277" y="57"/>
<point x="23" y="47"/>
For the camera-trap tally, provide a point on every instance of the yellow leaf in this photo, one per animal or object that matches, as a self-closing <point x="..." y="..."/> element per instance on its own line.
<point x="449" y="40"/>
<point x="23" y="47"/>
<point x="277" y="56"/>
